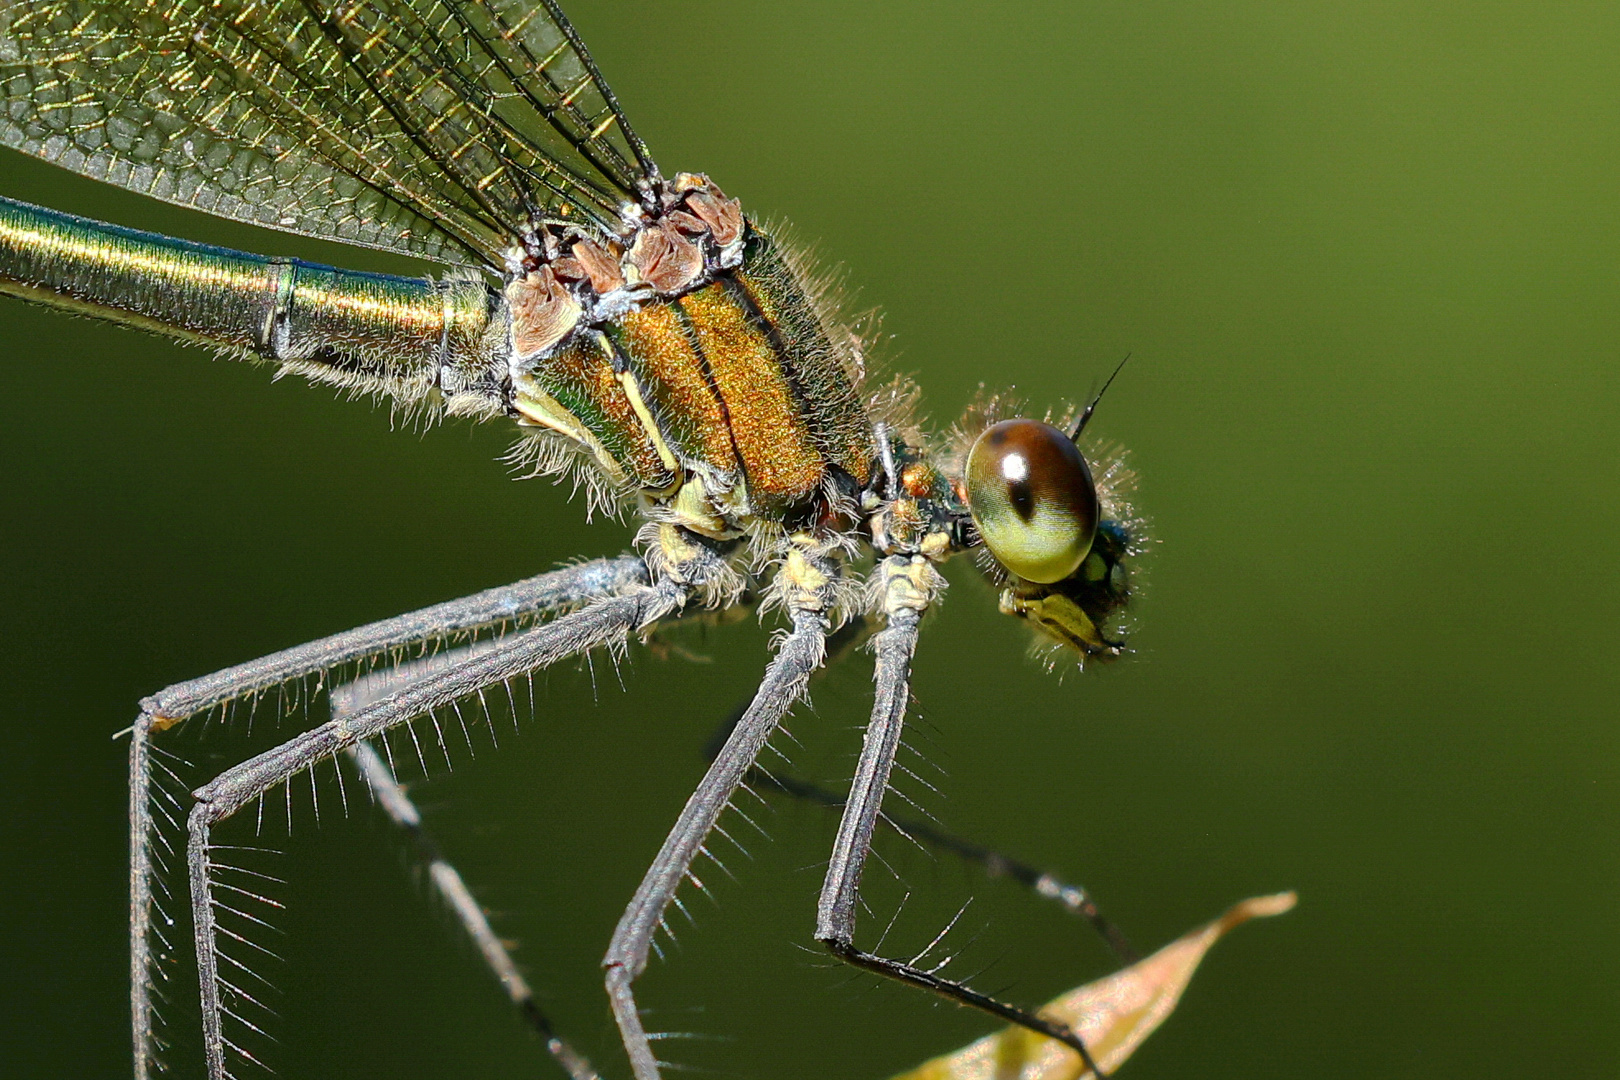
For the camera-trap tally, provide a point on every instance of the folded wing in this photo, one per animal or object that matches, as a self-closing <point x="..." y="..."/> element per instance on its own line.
<point x="443" y="130"/>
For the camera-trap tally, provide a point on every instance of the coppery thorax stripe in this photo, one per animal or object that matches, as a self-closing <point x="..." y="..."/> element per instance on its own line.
<point x="735" y="383"/>
<point x="781" y="462"/>
<point x="817" y="367"/>
<point x="656" y="348"/>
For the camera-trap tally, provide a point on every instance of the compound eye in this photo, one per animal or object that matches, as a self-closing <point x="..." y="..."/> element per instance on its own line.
<point x="1032" y="497"/>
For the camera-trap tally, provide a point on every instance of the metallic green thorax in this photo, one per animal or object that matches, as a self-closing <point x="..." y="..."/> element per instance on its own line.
<point x="735" y="385"/>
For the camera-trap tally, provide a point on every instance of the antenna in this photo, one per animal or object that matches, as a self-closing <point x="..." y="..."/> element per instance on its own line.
<point x="1085" y="417"/>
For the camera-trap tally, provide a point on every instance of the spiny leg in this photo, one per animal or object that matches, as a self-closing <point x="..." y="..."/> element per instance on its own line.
<point x="392" y="796"/>
<point x="605" y="621"/>
<point x="532" y="597"/>
<point x="396" y="803"/>
<point x="807" y="584"/>
<point x="1075" y="898"/>
<point x="908" y="586"/>
<point x="539" y="595"/>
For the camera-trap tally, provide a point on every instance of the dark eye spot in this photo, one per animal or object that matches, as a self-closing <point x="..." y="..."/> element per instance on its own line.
<point x="1032" y="498"/>
<point x="1022" y="497"/>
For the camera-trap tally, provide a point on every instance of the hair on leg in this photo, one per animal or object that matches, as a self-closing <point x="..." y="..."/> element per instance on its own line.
<point x="605" y="621"/>
<point x="1076" y="899"/>
<point x="807" y="586"/>
<point x="531" y="598"/>
<point x="908" y="585"/>
<point x="391" y="796"/>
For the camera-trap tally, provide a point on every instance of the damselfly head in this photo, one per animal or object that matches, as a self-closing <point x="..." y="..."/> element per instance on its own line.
<point x="1057" y="533"/>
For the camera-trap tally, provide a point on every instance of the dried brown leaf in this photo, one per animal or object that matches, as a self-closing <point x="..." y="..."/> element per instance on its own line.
<point x="1112" y="1015"/>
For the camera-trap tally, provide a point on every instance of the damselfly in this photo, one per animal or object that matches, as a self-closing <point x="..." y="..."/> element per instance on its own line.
<point x="654" y="345"/>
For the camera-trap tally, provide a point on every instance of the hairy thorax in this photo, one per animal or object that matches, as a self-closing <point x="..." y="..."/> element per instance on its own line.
<point x="690" y="366"/>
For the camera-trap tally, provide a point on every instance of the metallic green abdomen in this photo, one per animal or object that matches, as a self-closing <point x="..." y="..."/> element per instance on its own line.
<point x="367" y="331"/>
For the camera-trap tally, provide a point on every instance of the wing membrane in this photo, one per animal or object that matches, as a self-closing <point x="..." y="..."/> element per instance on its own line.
<point x="434" y="128"/>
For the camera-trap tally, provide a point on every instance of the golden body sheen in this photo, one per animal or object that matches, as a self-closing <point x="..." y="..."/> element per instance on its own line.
<point x="734" y="402"/>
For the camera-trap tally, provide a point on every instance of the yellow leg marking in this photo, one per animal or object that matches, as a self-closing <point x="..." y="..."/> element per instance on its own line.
<point x="911" y="585"/>
<point x="804" y="580"/>
<point x="695" y="510"/>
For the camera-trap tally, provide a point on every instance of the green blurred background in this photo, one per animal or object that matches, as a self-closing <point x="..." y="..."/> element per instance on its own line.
<point x="1367" y="259"/>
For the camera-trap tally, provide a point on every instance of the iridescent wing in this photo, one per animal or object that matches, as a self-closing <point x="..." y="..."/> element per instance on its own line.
<point x="443" y="129"/>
